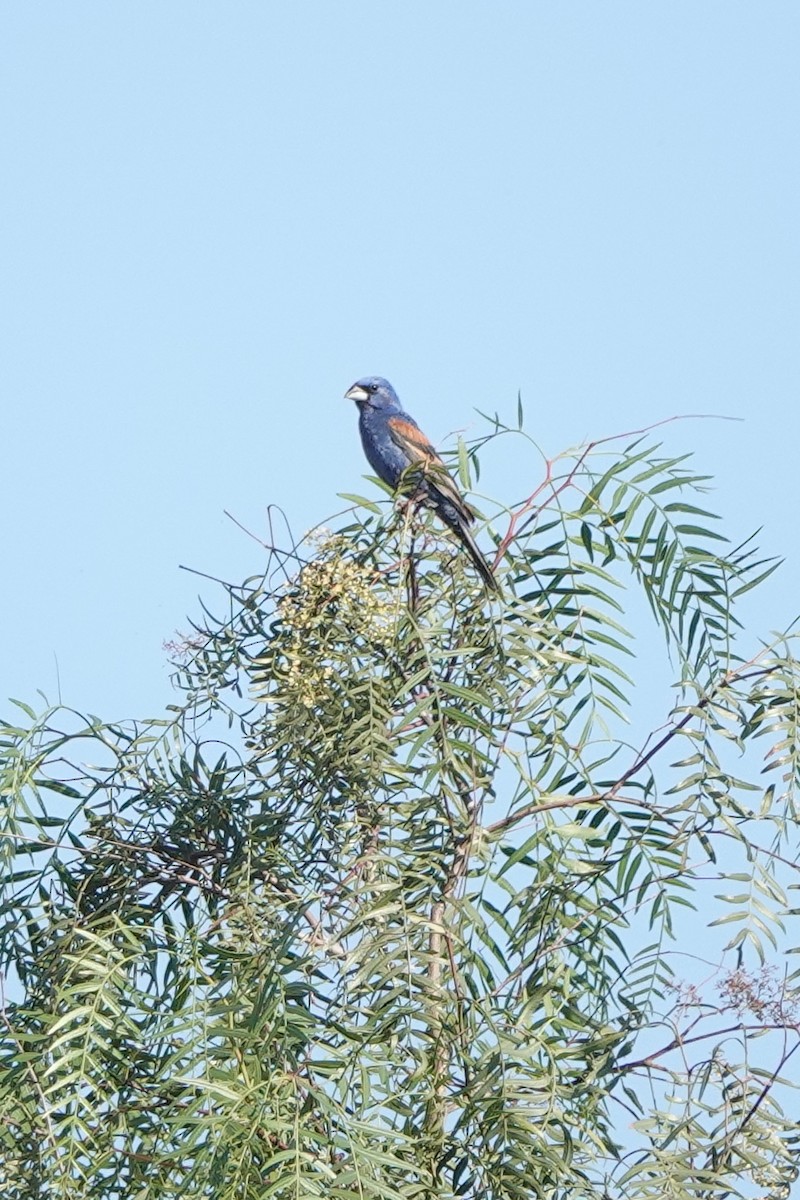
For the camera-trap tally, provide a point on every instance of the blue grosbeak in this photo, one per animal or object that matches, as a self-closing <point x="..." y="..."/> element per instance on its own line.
<point x="393" y="443"/>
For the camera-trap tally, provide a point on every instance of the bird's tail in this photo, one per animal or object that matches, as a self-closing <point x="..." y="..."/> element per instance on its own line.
<point x="484" y="570"/>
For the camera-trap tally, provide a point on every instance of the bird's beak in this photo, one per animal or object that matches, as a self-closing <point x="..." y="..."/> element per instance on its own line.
<point x="357" y="392"/>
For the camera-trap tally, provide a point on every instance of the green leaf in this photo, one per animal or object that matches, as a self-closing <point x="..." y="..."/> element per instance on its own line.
<point x="360" y="501"/>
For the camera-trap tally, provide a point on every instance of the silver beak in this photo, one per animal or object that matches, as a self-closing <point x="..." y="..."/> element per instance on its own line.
<point x="356" y="392"/>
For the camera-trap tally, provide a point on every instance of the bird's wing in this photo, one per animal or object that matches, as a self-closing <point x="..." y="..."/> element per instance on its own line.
<point x="413" y="442"/>
<point x="410" y="438"/>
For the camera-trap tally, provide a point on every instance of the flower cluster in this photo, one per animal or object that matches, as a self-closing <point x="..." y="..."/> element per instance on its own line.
<point x="331" y="610"/>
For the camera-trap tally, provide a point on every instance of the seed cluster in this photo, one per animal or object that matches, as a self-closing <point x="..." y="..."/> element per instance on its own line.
<point x="332" y="609"/>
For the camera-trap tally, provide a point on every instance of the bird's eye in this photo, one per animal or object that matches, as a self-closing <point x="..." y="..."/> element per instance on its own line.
<point x="373" y="387"/>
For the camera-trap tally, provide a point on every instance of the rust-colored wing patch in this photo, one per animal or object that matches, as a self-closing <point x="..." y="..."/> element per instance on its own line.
<point x="412" y="441"/>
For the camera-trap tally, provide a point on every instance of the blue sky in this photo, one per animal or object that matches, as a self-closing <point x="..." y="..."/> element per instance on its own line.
<point x="216" y="217"/>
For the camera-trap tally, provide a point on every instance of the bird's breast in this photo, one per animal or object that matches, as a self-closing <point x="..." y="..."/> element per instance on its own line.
<point x="383" y="454"/>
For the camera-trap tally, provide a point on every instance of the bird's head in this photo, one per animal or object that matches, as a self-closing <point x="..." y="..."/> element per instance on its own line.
<point x="374" y="392"/>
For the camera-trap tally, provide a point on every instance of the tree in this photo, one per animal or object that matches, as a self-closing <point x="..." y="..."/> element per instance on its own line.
<point x="387" y="906"/>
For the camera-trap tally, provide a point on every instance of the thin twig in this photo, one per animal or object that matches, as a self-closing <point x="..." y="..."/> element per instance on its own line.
<point x="679" y="1041"/>
<point x="528" y="504"/>
<point x="642" y="759"/>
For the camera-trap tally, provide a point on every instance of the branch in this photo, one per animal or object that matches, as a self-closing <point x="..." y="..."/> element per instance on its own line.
<point x="765" y="1090"/>
<point x="528" y="504"/>
<point x="642" y="759"/>
<point x="679" y="1041"/>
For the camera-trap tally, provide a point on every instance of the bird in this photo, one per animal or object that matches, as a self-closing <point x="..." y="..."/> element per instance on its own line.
<point x="393" y="442"/>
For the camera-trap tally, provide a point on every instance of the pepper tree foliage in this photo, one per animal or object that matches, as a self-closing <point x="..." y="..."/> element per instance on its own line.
<point x="389" y="903"/>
